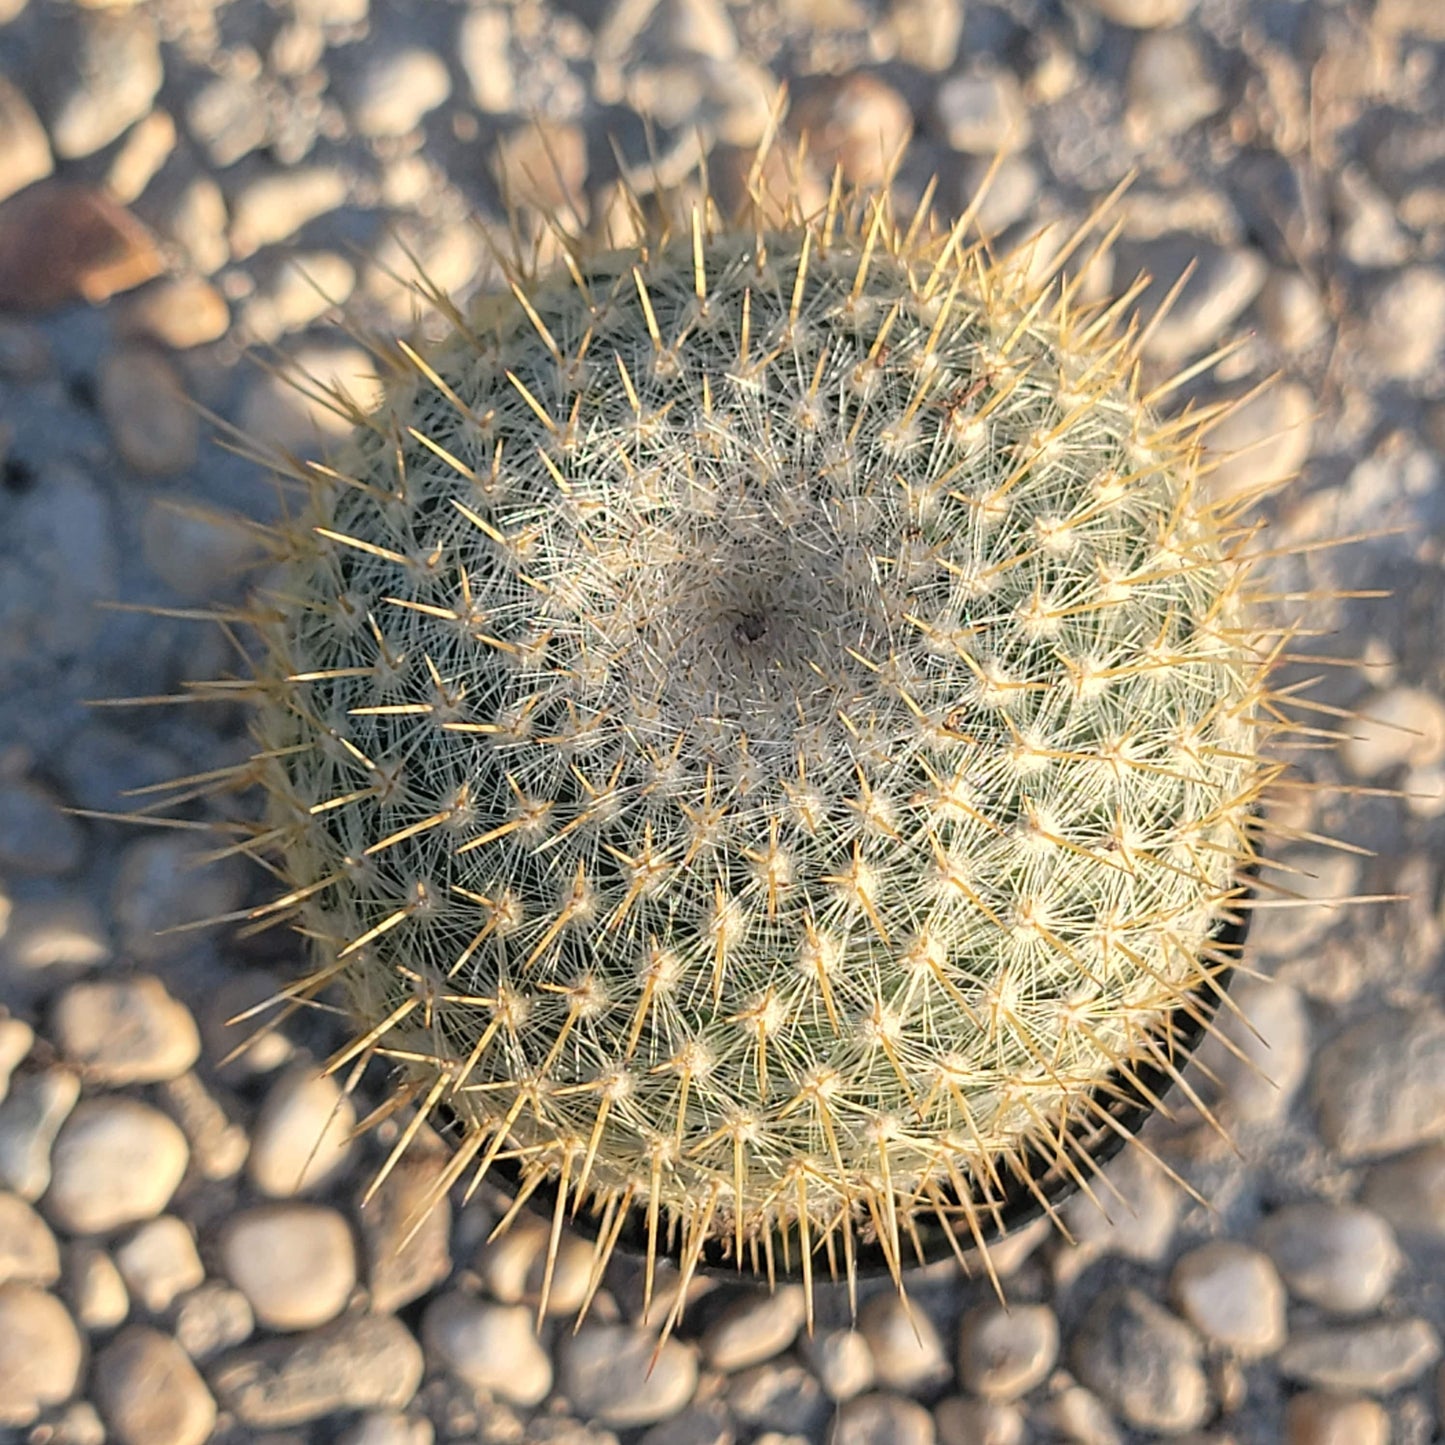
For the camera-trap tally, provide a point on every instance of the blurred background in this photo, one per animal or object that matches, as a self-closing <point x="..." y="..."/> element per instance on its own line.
<point x="192" y="191"/>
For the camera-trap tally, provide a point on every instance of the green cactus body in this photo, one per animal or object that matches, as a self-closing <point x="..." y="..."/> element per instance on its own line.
<point x="764" y="731"/>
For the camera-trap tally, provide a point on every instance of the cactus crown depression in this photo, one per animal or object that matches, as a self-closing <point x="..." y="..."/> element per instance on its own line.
<point x="764" y="730"/>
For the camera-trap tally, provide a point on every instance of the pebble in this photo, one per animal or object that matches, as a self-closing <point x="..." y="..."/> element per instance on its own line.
<point x="274" y="206"/>
<point x="127" y="1031"/>
<point x="1340" y="1257"/>
<point x="607" y="1373"/>
<point x="302" y="289"/>
<point x="295" y="1263"/>
<point x="259" y="1053"/>
<point x="28" y="1252"/>
<point x="1143" y="1361"/>
<point x="1319" y="1419"/>
<point x="983" y="113"/>
<point x="856" y="121"/>
<point x="491" y="1347"/>
<point x="218" y="1146"/>
<point x="1292" y="311"/>
<point x="1004" y="1353"/>
<point x="1233" y="1296"/>
<point x="159" y="1262"/>
<point x="754" y="1328"/>
<point x="1377" y="1356"/>
<point x="882" y="1420"/>
<point x="95" y="1288"/>
<point x="1170" y="86"/>
<point x="1318" y="878"/>
<point x="36" y="835"/>
<point x="1401" y="725"/>
<point x="1380" y="1085"/>
<point x="140" y="156"/>
<point x="1143" y="14"/>
<point x="77" y="1423"/>
<point x="211" y="1318"/>
<point x="926" y="32"/>
<point x="196" y="220"/>
<point x="960" y="1421"/>
<point x="1410" y="1191"/>
<point x="16" y="1037"/>
<point x="544" y="166"/>
<point x="387" y="1427"/>
<point x="1404" y="328"/>
<point x="107" y="249"/>
<point x="103" y="76"/>
<point x="161" y="884"/>
<point x="1142" y="1204"/>
<point x="151" y="420"/>
<point x="1269" y="437"/>
<point x="149" y="1391"/>
<point x="398" y="1273"/>
<point x="395" y="90"/>
<point x="24" y="149"/>
<point x="1080" y="1416"/>
<point x="1225" y="279"/>
<point x="841" y="1360"/>
<point x="778" y="1396"/>
<point x="302" y="1134"/>
<point x="362" y="1362"/>
<point x="116" y="1161"/>
<point x="513" y="1265"/>
<point x="180" y="312"/>
<point x="40" y="1353"/>
<point x="1275" y="1044"/>
<point x="707" y="1424"/>
<point x="483" y="40"/>
<point x="196" y="553"/>
<point x="229" y="118"/>
<point x="273" y="407"/>
<point x="30" y="1118"/>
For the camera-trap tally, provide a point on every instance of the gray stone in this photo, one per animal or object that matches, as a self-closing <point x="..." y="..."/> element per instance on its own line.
<point x="126" y="1031"/>
<point x="513" y="1266"/>
<point x="159" y="1262"/>
<point x="212" y="1318"/>
<point x="1143" y="1361"/>
<point x="28" y="1252"/>
<point x="698" y="1425"/>
<point x="362" y="1362"/>
<point x="1292" y="312"/>
<point x="1367" y="230"/>
<point x="163" y="885"/>
<point x="116" y="1161"/>
<point x="149" y="1391"/>
<point x="36" y="836"/>
<point x="104" y="73"/>
<point x="841" y="1360"/>
<point x="1170" y="85"/>
<point x="218" y="1147"/>
<point x="754" y="1328"/>
<point x="1322" y="1419"/>
<point x="295" y="1263"/>
<point x="396" y="89"/>
<point x="30" y="1118"/>
<point x="777" y="1396"/>
<point x="407" y="1255"/>
<point x="1380" y="1085"/>
<point x="1410" y="1191"/>
<point x="1233" y="1296"/>
<point x="1080" y="1416"/>
<point x="907" y="1349"/>
<point x="234" y="1026"/>
<point x="857" y="121"/>
<point x="608" y="1373"/>
<point x="1272" y="1033"/>
<point x="1377" y="1356"/>
<point x="1004" y="1353"/>
<point x="489" y="1346"/>
<point x="1142" y="1204"/>
<point x="1223" y="281"/>
<point x="983" y="112"/>
<point x="302" y="1135"/>
<point x="40" y="1353"/>
<point x="229" y="117"/>
<point x="1318" y="879"/>
<point x="1400" y="725"/>
<point x="1404" y="333"/>
<point x="1340" y="1257"/>
<point x="882" y="1420"/>
<point x="1268" y="436"/>
<point x="24" y="149"/>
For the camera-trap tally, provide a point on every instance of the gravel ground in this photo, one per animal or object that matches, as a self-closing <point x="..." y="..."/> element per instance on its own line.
<point x="177" y="1263"/>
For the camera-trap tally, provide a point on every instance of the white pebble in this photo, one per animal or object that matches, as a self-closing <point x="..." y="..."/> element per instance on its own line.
<point x="28" y="1252"/>
<point x="841" y="1360"/>
<point x="1403" y="725"/>
<point x="94" y="1286"/>
<point x="149" y="1391"/>
<point x="211" y="1318"/>
<point x="608" y="1372"/>
<point x="962" y="1421"/>
<point x="1320" y="1419"/>
<point x="396" y="90"/>
<point x="1004" y="1353"/>
<point x="302" y="1136"/>
<point x="882" y="1419"/>
<point x="40" y="1353"/>
<point x="16" y="1037"/>
<point x="129" y="1031"/>
<point x="295" y="1263"/>
<point x="30" y="1118"/>
<point x="513" y="1265"/>
<point x="908" y="1352"/>
<point x="116" y="1161"/>
<point x="753" y="1329"/>
<point x="1340" y="1257"/>
<point x="159" y="1262"/>
<point x="1232" y="1295"/>
<point x="491" y="1347"/>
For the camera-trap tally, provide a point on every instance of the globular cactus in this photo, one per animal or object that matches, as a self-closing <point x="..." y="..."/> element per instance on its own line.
<point x="765" y="730"/>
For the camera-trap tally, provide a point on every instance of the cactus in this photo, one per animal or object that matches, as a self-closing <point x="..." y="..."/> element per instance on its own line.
<point x="764" y="728"/>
